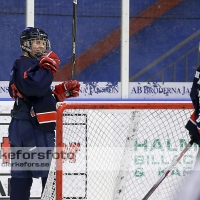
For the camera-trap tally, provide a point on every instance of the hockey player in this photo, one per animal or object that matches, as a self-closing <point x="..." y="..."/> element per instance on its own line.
<point x="193" y="125"/>
<point x="34" y="111"/>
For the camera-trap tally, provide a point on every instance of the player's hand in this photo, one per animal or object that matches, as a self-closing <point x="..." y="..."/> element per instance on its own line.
<point x="50" y="60"/>
<point x="72" y="88"/>
<point x="67" y="89"/>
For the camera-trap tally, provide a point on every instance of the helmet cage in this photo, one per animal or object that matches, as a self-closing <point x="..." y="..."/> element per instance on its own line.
<point x="30" y="34"/>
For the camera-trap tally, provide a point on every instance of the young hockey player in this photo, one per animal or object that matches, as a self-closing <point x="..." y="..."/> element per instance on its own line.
<point x="193" y="125"/>
<point x="34" y="111"/>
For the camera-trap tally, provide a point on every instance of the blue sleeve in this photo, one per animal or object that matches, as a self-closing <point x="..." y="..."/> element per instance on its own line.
<point x="31" y="80"/>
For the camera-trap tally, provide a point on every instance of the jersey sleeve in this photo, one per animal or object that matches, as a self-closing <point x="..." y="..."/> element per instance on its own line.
<point x="32" y="80"/>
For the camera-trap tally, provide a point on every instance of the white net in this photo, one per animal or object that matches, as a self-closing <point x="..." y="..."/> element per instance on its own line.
<point x="120" y="154"/>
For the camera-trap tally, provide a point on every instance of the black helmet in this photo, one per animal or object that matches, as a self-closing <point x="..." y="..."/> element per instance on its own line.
<point x="28" y="35"/>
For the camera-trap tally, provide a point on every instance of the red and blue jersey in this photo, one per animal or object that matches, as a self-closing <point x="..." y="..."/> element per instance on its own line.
<point x="30" y="88"/>
<point x="193" y="124"/>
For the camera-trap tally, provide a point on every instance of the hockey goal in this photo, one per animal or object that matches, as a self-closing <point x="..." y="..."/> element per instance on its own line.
<point x="118" y="150"/>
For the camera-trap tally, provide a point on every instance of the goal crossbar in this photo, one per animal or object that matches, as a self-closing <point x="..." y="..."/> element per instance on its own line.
<point x="125" y="105"/>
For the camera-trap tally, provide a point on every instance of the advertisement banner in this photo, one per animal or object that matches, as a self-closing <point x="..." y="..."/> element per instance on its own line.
<point x="160" y="91"/>
<point x="137" y="90"/>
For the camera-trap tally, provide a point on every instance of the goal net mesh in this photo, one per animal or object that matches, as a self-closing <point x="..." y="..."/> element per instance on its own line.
<point x="121" y="153"/>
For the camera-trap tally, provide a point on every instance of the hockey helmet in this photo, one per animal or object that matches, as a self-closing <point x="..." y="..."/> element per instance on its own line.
<point x="29" y="34"/>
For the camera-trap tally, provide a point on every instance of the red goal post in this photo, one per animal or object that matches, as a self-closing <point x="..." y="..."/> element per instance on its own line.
<point x="117" y="122"/>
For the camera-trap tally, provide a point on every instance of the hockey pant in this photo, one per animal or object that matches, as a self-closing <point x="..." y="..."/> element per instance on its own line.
<point x="20" y="188"/>
<point x="23" y="135"/>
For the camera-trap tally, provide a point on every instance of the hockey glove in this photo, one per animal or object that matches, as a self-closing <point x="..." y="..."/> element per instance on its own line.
<point x="50" y="60"/>
<point x="192" y="137"/>
<point x="67" y="89"/>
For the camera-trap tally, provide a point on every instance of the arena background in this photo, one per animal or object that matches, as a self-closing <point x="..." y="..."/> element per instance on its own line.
<point x="160" y="33"/>
<point x="163" y="49"/>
